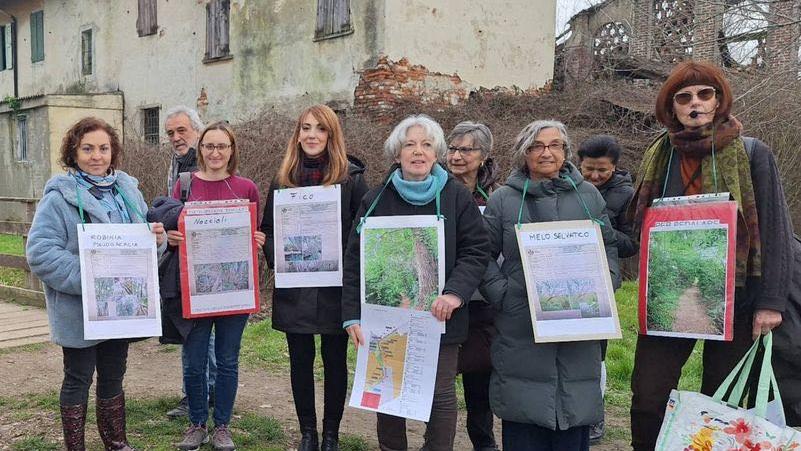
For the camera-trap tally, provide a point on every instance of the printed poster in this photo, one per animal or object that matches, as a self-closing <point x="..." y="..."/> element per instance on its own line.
<point x="219" y="260"/>
<point x="687" y="267"/>
<point x="308" y="237"/>
<point x="119" y="281"/>
<point x="569" y="288"/>
<point x="396" y="369"/>
<point x="403" y="262"/>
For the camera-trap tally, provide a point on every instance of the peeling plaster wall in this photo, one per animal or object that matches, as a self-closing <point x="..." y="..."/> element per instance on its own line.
<point x="487" y="43"/>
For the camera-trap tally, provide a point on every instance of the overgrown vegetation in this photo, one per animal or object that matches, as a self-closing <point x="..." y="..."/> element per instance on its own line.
<point x="11" y="245"/>
<point x="680" y="260"/>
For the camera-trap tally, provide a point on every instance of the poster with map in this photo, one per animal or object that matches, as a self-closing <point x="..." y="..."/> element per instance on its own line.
<point x="219" y="272"/>
<point x="396" y="369"/>
<point x="119" y="281"/>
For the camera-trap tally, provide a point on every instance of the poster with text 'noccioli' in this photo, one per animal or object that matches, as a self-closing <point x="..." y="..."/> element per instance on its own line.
<point x="219" y="272"/>
<point x="119" y="281"/>
<point x="308" y="237"/>
<point x="569" y="288"/>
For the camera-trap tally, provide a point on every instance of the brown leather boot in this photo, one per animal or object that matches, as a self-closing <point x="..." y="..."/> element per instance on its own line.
<point x="73" y="419"/>
<point x="111" y="423"/>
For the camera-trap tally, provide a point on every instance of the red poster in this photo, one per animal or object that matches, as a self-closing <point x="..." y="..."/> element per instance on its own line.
<point x="219" y="259"/>
<point x="687" y="269"/>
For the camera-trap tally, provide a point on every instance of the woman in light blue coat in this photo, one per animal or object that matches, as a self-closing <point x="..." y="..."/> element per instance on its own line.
<point x="91" y="191"/>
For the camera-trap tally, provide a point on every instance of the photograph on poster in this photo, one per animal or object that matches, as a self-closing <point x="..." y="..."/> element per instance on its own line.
<point x="687" y="280"/>
<point x="121" y="297"/>
<point x="401" y="267"/>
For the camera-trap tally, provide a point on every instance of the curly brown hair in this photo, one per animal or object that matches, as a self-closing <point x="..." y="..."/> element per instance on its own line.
<point x="71" y="141"/>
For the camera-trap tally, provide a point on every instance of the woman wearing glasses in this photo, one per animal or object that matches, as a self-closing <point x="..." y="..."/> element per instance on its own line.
<point x="215" y="180"/>
<point x="469" y="146"/>
<point x="694" y="104"/>
<point x="93" y="191"/>
<point x="547" y="394"/>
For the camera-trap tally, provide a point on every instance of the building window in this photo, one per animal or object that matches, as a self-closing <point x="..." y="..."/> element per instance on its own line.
<point x="217" y="20"/>
<point x="3" y="63"/>
<point x="22" y="138"/>
<point x="150" y="125"/>
<point x="333" y="19"/>
<point x="37" y="36"/>
<point x="146" y="21"/>
<point x="7" y="54"/>
<point x="86" y="52"/>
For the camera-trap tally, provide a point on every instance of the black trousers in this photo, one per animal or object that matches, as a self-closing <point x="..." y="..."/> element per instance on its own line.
<point x="479" y="413"/>
<point x="109" y="358"/>
<point x="334" y="350"/>
<point x="530" y="437"/>
<point x="657" y="368"/>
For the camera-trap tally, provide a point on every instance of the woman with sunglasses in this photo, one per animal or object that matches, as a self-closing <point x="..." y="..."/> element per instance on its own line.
<point x="469" y="146"/>
<point x="215" y="180"/>
<point x="703" y="137"/>
<point x="315" y="155"/>
<point x="93" y="191"/>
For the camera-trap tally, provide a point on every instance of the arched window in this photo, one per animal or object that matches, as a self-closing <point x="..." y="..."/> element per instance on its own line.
<point x="611" y="41"/>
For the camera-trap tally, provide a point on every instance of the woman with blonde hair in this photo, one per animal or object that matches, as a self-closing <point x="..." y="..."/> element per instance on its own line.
<point x="315" y="155"/>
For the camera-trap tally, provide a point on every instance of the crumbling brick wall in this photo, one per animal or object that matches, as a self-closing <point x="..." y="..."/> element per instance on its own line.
<point x="388" y="84"/>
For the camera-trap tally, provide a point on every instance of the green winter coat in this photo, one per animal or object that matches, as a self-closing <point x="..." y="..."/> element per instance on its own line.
<point x="553" y="385"/>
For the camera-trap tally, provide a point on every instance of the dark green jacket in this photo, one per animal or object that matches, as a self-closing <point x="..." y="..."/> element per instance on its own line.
<point x="553" y="385"/>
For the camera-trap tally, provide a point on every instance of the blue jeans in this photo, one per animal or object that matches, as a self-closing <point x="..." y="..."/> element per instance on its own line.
<point x="228" y="331"/>
<point x="211" y="369"/>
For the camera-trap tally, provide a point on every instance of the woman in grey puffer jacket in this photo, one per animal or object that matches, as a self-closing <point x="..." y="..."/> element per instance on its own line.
<point x="547" y="394"/>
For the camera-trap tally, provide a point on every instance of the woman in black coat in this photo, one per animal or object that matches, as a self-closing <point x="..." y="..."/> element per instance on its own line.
<point x="413" y="186"/>
<point x="315" y="155"/>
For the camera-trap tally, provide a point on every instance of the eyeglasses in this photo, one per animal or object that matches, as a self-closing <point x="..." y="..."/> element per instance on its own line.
<point x="540" y="147"/>
<point x="212" y="147"/>
<point x="462" y="150"/>
<point x="683" y="98"/>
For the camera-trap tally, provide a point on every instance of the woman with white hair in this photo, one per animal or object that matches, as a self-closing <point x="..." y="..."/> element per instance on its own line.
<point x="547" y="394"/>
<point x="418" y="185"/>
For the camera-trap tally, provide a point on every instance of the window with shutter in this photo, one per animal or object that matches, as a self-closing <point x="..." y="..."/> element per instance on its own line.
<point x="86" y="52"/>
<point x="3" y="65"/>
<point x="333" y="19"/>
<point x="22" y="138"/>
<point x="37" y="36"/>
<point x="7" y="50"/>
<point x="217" y="25"/>
<point x="147" y="21"/>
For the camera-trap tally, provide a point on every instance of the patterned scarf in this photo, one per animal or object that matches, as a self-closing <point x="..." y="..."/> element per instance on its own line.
<point x="103" y="189"/>
<point x="312" y="170"/>
<point x="733" y="176"/>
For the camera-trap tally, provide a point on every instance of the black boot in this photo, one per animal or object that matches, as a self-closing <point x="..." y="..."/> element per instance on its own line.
<point x="308" y="439"/>
<point x="73" y="419"/>
<point x="330" y="437"/>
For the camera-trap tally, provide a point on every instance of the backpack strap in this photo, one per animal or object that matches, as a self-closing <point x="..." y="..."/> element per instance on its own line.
<point x="749" y="143"/>
<point x="185" y="182"/>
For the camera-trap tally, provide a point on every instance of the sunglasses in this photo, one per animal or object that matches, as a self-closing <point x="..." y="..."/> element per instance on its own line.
<point x="683" y="98"/>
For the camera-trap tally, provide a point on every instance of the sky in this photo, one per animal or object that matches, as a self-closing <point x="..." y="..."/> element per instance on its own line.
<point x="565" y="10"/>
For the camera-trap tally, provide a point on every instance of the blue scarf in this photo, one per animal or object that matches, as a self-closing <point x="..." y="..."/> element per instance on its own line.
<point x="111" y="199"/>
<point x="424" y="191"/>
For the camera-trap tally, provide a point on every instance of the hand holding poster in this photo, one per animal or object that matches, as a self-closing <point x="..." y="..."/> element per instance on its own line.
<point x="687" y="268"/>
<point x="569" y="288"/>
<point x="119" y="281"/>
<point x="308" y="237"/>
<point x="219" y="260"/>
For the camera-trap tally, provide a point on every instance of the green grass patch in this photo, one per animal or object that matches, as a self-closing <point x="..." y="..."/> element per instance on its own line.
<point x="11" y="244"/>
<point x="35" y="347"/>
<point x="35" y="444"/>
<point x="349" y="442"/>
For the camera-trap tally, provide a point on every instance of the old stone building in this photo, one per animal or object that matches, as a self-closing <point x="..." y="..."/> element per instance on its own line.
<point x="643" y="37"/>
<point x="130" y="60"/>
